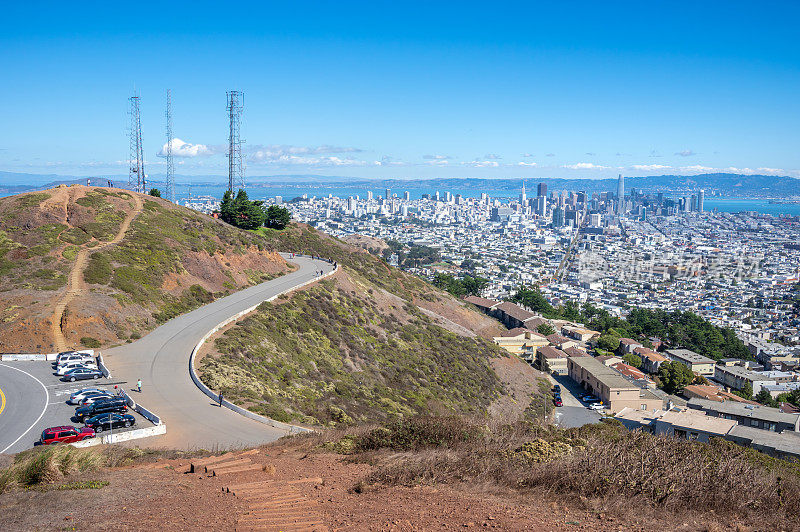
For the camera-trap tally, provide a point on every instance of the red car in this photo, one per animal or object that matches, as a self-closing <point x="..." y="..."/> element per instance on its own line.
<point x="65" y="434"/>
<point x="558" y="402"/>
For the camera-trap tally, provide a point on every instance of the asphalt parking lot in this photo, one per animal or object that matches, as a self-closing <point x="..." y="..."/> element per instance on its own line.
<point x="574" y="413"/>
<point x="33" y="398"/>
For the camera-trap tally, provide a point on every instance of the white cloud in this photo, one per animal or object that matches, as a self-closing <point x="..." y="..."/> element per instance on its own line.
<point x="492" y="156"/>
<point x="550" y="155"/>
<point x="185" y="149"/>
<point x="584" y="166"/>
<point x="527" y="155"/>
<point x="696" y="168"/>
<point x="650" y="167"/>
<point x="522" y="163"/>
<point x="482" y="164"/>
<point x="685" y="153"/>
<point x="437" y="157"/>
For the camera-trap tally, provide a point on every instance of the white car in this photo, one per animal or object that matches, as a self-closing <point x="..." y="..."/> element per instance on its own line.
<point x="597" y="406"/>
<point x="79" y="357"/>
<point x="80" y="395"/>
<point x="61" y="356"/>
<point x="72" y="365"/>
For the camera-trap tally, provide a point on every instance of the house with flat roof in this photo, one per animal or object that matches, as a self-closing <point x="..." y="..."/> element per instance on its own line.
<point x="485" y="305"/>
<point x="552" y="360"/>
<point x="561" y="342"/>
<point x="581" y="334"/>
<point x="736" y="377"/>
<point x="521" y="342"/>
<point x="692" y="425"/>
<point x="651" y="360"/>
<point x="758" y="416"/>
<point x="610" y="386"/>
<point x="712" y="393"/>
<point x="694" y="361"/>
<point x="628" y="345"/>
<point x="511" y="314"/>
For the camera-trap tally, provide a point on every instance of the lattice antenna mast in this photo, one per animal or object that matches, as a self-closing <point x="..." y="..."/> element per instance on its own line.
<point x="136" y="177"/>
<point x="170" y="192"/>
<point x="235" y="162"/>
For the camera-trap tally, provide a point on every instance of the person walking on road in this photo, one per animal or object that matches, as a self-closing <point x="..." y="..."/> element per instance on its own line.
<point x="139" y="385"/>
<point x="220" y="399"/>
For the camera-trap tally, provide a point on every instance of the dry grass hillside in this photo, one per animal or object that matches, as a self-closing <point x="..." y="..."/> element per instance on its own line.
<point x="99" y="266"/>
<point x="371" y="343"/>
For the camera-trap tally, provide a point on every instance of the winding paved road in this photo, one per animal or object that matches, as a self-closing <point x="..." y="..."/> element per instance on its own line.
<point x="23" y="401"/>
<point x="161" y="360"/>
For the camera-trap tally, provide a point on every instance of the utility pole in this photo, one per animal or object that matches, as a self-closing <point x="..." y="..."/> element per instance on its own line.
<point x="136" y="176"/>
<point x="235" y="162"/>
<point x="170" y="186"/>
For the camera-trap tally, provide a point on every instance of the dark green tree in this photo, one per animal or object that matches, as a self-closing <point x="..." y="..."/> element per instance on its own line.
<point x="746" y="392"/>
<point x="765" y="398"/>
<point x="227" y="212"/>
<point x="608" y="341"/>
<point x="545" y="329"/>
<point x="674" y="377"/>
<point x="277" y="217"/>
<point x="632" y="359"/>
<point x="155" y="193"/>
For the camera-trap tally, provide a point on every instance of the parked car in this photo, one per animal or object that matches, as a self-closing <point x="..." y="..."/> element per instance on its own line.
<point x="65" y="434"/>
<point x="93" y="397"/>
<point x="113" y="404"/>
<point x="596" y="406"/>
<point x="103" y="422"/>
<point x="557" y="389"/>
<point x="61" y="370"/>
<point x="589" y="399"/>
<point x="76" y="357"/>
<point x="82" y="373"/>
<point x="76" y="397"/>
<point x="66" y="353"/>
<point x="557" y="401"/>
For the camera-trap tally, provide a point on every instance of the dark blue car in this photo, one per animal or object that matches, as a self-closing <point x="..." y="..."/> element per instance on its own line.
<point x="80" y="374"/>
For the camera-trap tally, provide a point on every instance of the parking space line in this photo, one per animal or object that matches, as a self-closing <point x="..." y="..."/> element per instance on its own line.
<point x="46" y="404"/>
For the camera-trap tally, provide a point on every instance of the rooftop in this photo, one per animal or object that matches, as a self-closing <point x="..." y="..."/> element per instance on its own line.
<point x="765" y="413"/>
<point x="608" y="376"/>
<point x="689" y="356"/>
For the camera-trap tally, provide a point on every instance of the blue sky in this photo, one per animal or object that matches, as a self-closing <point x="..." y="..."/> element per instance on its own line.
<point x="407" y="90"/>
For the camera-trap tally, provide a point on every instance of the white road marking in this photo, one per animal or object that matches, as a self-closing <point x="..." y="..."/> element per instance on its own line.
<point x="46" y="404"/>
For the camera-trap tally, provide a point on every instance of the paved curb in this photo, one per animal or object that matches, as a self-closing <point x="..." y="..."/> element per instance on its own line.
<point x="214" y="396"/>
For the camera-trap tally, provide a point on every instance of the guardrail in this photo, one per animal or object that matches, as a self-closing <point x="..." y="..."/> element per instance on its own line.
<point x="206" y="390"/>
<point x="102" y="367"/>
<point x="123" y="436"/>
<point x="136" y="407"/>
<point x="31" y="357"/>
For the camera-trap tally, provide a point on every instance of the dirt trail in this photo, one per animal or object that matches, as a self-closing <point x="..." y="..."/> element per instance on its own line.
<point x="76" y="284"/>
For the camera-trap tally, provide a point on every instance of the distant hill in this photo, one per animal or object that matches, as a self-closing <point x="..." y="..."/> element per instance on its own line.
<point x="82" y="265"/>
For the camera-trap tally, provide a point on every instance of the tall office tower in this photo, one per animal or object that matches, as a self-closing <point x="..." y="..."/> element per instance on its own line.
<point x="541" y="189"/>
<point x="693" y="207"/>
<point x="523" y="198"/>
<point x="620" y="195"/>
<point x="582" y="197"/>
<point x="407" y="195"/>
<point x="541" y="205"/>
<point x="436" y="196"/>
<point x="447" y="197"/>
<point x="484" y="197"/>
<point x="558" y="217"/>
<point x="644" y="214"/>
<point x="660" y="198"/>
<point x="351" y="204"/>
<point x="459" y="199"/>
<point x="687" y="204"/>
<point x="633" y="194"/>
<point x="388" y="193"/>
<point x="369" y="195"/>
<point x="701" y="198"/>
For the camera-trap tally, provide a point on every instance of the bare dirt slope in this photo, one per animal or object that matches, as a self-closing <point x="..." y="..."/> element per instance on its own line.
<point x="102" y="265"/>
<point x="290" y="485"/>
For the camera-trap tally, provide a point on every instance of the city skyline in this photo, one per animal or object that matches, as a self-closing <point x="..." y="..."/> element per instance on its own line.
<point x="423" y="93"/>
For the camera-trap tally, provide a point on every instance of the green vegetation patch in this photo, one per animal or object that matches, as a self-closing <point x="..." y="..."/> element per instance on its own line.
<point x="193" y="297"/>
<point x="6" y="245"/>
<point x="98" y="270"/>
<point x="44" y="238"/>
<point x="327" y="356"/>
<point x="31" y="200"/>
<point x="75" y="235"/>
<point x="84" y="485"/>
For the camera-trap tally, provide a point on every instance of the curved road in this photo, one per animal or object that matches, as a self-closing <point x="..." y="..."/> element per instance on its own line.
<point x="23" y="401"/>
<point x="161" y="360"/>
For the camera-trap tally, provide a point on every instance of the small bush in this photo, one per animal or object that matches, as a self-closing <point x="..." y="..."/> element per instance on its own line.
<point x="91" y="343"/>
<point x="418" y="432"/>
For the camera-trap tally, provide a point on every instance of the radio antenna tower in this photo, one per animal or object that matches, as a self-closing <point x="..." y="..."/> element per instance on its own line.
<point x="170" y="192"/>
<point x="136" y="177"/>
<point x="235" y="163"/>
